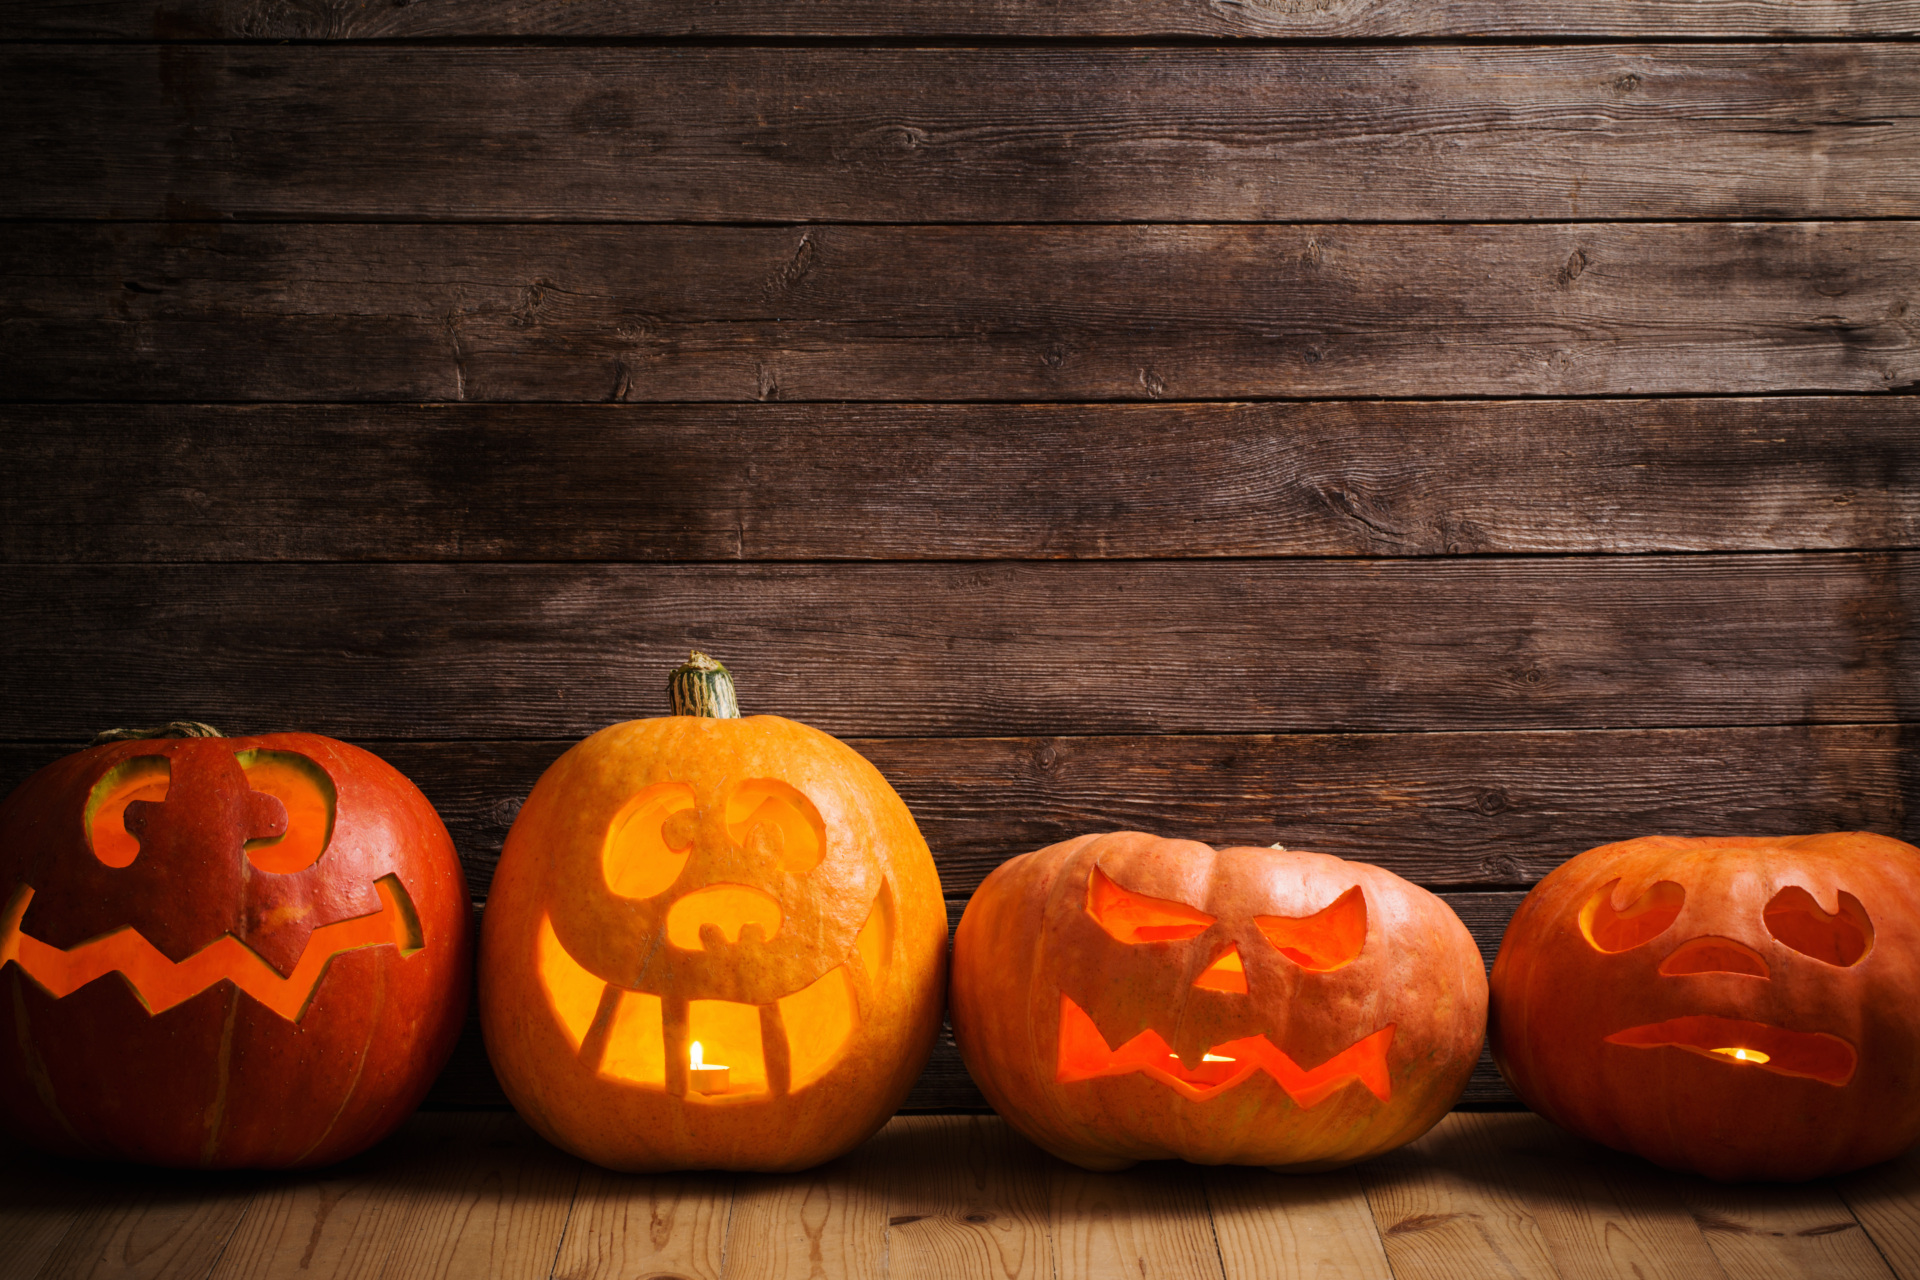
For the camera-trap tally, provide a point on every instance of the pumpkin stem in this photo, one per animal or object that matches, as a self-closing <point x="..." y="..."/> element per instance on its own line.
<point x="702" y="687"/>
<point x="171" y="729"/>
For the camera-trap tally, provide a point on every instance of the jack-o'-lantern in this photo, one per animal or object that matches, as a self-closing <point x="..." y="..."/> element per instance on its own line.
<point x="1737" y="1007"/>
<point x="712" y="942"/>
<point x="224" y="952"/>
<point x="1124" y="997"/>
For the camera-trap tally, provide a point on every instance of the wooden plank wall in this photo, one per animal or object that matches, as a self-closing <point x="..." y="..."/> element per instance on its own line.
<point x="1447" y="433"/>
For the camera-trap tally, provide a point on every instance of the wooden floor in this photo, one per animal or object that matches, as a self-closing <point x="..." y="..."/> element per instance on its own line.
<point x="478" y="1195"/>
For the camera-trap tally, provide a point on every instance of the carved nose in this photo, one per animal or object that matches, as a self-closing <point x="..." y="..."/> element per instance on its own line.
<point x="1714" y="955"/>
<point x="729" y="910"/>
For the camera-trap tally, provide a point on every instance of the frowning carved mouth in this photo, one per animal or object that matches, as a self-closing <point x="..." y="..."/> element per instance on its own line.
<point x="160" y="984"/>
<point x="1085" y="1055"/>
<point x="1810" y="1055"/>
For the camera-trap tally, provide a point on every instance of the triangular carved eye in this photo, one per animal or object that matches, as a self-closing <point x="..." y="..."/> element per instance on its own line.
<point x="1325" y="940"/>
<point x="1134" y="917"/>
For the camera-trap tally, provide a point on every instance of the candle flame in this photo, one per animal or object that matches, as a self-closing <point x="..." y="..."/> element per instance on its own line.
<point x="1744" y="1055"/>
<point x="693" y="1056"/>
<point x="1213" y="1057"/>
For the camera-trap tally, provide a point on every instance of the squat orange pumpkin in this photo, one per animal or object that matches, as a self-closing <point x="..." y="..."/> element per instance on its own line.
<point x="712" y="942"/>
<point x="1123" y="997"/>
<point x="1740" y="1007"/>
<point x="224" y="952"/>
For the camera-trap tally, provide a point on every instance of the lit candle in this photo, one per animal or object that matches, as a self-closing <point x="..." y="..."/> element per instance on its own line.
<point x="1744" y="1055"/>
<point x="704" y="1078"/>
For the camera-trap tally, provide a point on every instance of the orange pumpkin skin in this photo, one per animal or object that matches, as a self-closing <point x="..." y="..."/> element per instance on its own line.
<point x="1628" y="1026"/>
<point x="1355" y="1040"/>
<point x="178" y="989"/>
<point x="600" y="951"/>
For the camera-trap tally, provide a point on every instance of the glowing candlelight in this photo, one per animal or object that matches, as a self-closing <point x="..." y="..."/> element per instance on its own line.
<point x="1744" y="1055"/>
<point x="704" y="1077"/>
<point x="1213" y="1057"/>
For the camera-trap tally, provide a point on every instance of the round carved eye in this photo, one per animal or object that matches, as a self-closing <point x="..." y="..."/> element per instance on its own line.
<point x="649" y="841"/>
<point x="140" y="778"/>
<point x="776" y="823"/>
<point x="1641" y="921"/>
<point x="1795" y="919"/>
<point x="307" y="794"/>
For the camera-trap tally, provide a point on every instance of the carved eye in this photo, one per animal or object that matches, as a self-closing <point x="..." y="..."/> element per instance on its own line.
<point x="1794" y="918"/>
<point x="1325" y="940"/>
<point x="141" y="778"/>
<point x="307" y="793"/>
<point x="778" y="824"/>
<point x="649" y="840"/>
<point x="1133" y="917"/>
<point x="1642" y="921"/>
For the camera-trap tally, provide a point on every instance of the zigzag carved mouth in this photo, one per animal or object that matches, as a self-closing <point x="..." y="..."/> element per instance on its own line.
<point x="1085" y="1055"/>
<point x="160" y="984"/>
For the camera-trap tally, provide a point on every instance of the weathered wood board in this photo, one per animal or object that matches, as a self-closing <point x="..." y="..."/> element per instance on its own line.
<point x="957" y="482"/>
<point x="1409" y="133"/>
<point x="143" y="311"/>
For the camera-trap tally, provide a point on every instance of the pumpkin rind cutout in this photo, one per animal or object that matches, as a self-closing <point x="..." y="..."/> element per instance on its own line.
<point x="1124" y="997"/>
<point x="225" y="952"/>
<point x="777" y="905"/>
<point x="1740" y="1007"/>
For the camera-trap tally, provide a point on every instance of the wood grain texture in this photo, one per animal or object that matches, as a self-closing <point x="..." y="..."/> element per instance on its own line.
<point x="1287" y="1227"/>
<point x="484" y="651"/>
<point x="1885" y="1199"/>
<point x="957" y="135"/>
<point x="966" y="1197"/>
<point x="1790" y="1232"/>
<point x="40" y="1201"/>
<point x="826" y="1222"/>
<point x="663" y="313"/>
<point x="134" y="1226"/>
<point x="1148" y="1221"/>
<point x="491" y="1202"/>
<point x="1281" y="19"/>
<point x="99" y="483"/>
<point x="1443" y="1210"/>
<point x="623" y="1227"/>
<point x="1600" y="1213"/>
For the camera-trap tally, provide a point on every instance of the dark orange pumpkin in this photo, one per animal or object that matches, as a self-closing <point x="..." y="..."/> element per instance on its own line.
<point x="712" y="942"/>
<point x="1123" y="997"/>
<point x="224" y="952"/>
<point x="1737" y="1007"/>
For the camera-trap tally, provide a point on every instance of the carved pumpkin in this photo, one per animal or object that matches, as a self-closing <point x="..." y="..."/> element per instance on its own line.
<point x="1737" y="1007"/>
<point x="1123" y="997"/>
<point x="224" y="952"/>
<point x="712" y="942"/>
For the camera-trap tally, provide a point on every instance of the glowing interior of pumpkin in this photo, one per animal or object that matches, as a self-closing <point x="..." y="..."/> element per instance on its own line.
<point x="1811" y="1055"/>
<point x="1642" y="920"/>
<point x="624" y="1031"/>
<point x="306" y="791"/>
<point x="1085" y="1055"/>
<point x="160" y="984"/>
<point x="1324" y="941"/>
<point x="139" y="778"/>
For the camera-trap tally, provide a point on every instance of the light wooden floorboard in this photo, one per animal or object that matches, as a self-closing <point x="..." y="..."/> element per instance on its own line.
<point x="460" y="1196"/>
<point x="1149" y="1221"/>
<point x="1886" y="1201"/>
<point x="966" y="1196"/>
<point x="628" y="1225"/>
<point x="827" y="1222"/>
<point x="1801" y="1232"/>
<point x="1444" y="1210"/>
<point x="1272" y="1226"/>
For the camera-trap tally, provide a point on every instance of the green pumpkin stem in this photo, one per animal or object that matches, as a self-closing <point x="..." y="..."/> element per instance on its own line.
<point x="702" y="687"/>
<point x="171" y="729"/>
